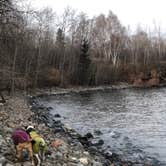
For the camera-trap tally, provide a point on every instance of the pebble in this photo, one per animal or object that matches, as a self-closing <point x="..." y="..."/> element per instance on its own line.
<point x="84" y="161"/>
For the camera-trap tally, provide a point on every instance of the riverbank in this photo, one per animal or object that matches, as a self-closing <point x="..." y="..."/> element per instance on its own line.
<point x="77" y="89"/>
<point x="20" y="111"/>
<point x="142" y="159"/>
<point x="63" y="150"/>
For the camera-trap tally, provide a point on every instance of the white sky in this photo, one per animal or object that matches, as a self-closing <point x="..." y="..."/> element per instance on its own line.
<point x="130" y="12"/>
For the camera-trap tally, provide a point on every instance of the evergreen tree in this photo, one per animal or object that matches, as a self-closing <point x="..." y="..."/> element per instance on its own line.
<point x="61" y="58"/>
<point x="60" y="38"/>
<point x="84" y="63"/>
<point x="58" y="60"/>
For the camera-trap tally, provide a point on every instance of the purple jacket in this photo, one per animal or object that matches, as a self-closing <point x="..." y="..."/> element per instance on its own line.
<point x="20" y="136"/>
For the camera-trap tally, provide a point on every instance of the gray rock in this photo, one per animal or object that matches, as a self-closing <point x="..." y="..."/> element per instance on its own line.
<point x="64" y="164"/>
<point x="95" y="163"/>
<point x="2" y="141"/>
<point x="79" y="164"/>
<point x="3" y="161"/>
<point x="57" y="155"/>
<point x="8" y="164"/>
<point x="86" y="153"/>
<point x="93" y="149"/>
<point x="98" y="132"/>
<point x="77" y="153"/>
<point x="73" y="159"/>
<point x="8" y="130"/>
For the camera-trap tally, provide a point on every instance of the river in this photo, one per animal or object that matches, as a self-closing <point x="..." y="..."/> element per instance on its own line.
<point x="132" y="121"/>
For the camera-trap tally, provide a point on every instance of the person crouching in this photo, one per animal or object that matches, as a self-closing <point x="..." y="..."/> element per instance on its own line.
<point x="38" y="144"/>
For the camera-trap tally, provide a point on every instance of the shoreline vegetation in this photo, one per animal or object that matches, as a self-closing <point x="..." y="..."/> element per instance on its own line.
<point x="39" y="48"/>
<point x="67" y="147"/>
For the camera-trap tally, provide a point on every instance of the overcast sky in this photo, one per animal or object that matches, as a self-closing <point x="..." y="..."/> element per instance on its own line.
<point x="130" y="12"/>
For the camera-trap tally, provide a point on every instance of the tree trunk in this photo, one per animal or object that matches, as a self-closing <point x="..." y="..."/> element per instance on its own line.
<point x="13" y="70"/>
<point x="37" y="68"/>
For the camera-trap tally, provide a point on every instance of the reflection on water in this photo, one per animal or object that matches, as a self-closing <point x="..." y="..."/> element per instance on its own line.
<point x="133" y="122"/>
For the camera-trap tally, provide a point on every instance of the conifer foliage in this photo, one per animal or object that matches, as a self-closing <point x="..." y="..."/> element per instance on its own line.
<point x="84" y="63"/>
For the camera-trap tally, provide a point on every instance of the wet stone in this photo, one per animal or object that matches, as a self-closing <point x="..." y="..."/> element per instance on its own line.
<point x="58" y="129"/>
<point x="93" y="149"/>
<point x="98" y="142"/>
<point x="57" y="116"/>
<point x="98" y="132"/>
<point x="49" y="108"/>
<point x="89" y="135"/>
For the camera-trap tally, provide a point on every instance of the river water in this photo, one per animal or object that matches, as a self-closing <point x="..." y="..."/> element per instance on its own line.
<point x="132" y="121"/>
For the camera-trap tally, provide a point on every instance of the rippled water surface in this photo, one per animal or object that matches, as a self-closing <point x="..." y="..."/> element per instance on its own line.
<point x="133" y="122"/>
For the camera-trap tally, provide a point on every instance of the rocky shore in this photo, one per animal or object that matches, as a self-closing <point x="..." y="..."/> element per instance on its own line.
<point x="16" y="113"/>
<point x="66" y="147"/>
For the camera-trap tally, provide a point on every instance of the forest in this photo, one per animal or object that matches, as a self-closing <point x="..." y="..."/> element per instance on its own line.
<point x="39" y="48"/>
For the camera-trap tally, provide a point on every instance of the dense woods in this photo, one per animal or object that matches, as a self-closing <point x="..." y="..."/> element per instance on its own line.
<point x="40" y="48"/>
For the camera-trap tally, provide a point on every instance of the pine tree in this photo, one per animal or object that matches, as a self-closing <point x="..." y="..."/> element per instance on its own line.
<point x="60" y="38"/>
<point x="84" y="63"/>
<point x="60" y="44"/>
<point x="58" y="60"/>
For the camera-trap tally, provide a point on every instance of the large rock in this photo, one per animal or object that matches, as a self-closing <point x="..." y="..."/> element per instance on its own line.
<point x="3" y="161"/>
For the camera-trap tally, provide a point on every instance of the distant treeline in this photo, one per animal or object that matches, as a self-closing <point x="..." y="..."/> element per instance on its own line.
<point x="39" y="48"/>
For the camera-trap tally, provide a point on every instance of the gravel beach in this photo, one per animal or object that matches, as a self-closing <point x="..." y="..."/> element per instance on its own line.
<point x="63" y="150"/>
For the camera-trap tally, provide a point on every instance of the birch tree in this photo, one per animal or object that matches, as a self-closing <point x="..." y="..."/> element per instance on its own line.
<point x="107" y="37"/>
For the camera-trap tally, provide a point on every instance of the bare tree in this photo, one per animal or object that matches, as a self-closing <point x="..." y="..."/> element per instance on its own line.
<point x="107" y="37"/>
